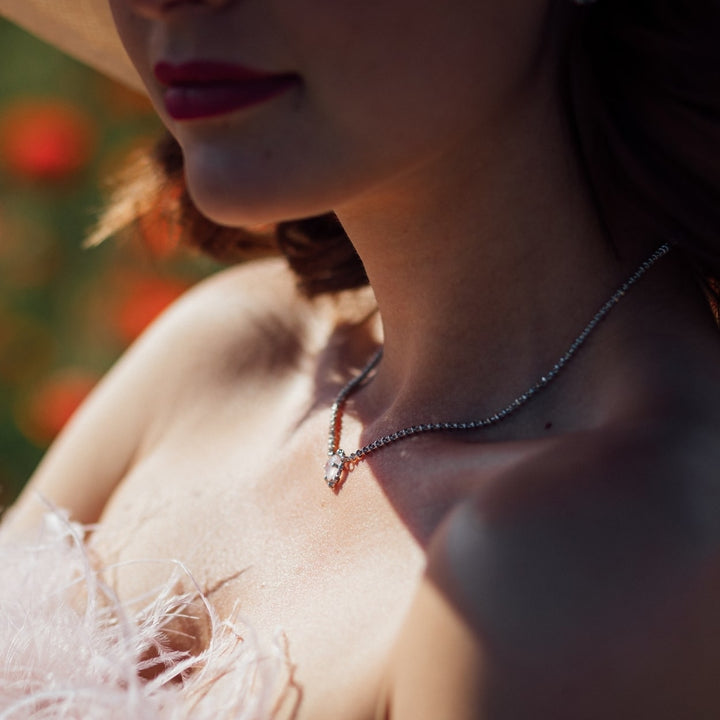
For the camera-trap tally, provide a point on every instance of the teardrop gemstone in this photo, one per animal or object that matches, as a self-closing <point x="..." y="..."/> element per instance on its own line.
<point x="334" y="469"/>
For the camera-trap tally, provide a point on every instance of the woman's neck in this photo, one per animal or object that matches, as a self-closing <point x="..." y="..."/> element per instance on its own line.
<point x="485" y="267"/>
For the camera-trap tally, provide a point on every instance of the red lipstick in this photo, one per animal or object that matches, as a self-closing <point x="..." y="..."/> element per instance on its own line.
<point x="202" y="89"/>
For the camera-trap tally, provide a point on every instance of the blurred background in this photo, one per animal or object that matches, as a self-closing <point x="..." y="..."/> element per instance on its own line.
<point x="67" y="312"/>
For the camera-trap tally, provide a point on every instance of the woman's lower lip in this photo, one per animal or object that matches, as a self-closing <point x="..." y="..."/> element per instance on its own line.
<point x="204" y="100"/>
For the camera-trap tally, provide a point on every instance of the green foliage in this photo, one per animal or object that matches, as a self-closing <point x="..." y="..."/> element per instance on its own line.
<point x="66" y="312"/>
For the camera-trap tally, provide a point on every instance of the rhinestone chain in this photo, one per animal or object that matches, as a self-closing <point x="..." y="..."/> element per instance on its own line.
<point x="339" y="462"/>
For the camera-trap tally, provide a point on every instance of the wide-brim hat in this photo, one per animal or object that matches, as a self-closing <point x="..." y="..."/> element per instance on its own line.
<point x="81" y="28"/>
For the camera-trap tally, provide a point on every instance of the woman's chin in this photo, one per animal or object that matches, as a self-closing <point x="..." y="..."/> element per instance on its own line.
<point x="235" y="199"/>
<point x="240" y="205"/>
<point x="230" y="207"/>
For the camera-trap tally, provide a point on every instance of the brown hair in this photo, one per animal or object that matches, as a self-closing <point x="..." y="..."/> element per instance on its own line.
<point x="643" y="92"/>
<point x="640" y="79"/>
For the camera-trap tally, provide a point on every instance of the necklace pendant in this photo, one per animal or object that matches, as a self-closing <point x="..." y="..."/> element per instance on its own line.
<point x="334" y="468"/>
<point x="339" y="464"/>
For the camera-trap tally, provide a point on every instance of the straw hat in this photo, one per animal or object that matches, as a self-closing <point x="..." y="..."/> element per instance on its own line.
<point x="82" y="28"/>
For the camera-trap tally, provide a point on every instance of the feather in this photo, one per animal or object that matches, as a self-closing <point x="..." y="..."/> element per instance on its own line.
<point x="71" y="650"/>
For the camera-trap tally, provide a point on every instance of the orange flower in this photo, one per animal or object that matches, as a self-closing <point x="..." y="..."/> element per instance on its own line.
<point x="142" y="301"/>
<point x="46" y="139"/>
<point x="52" y="404"/>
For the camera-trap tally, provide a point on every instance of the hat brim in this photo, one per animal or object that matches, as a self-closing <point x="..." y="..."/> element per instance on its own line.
<point x="81" y="28"/>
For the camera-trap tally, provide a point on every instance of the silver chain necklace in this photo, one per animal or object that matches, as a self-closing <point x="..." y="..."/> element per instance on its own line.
<point x="339" y="462"/>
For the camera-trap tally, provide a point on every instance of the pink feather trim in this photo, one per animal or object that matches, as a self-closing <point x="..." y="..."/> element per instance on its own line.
<point x="62" y="658"/>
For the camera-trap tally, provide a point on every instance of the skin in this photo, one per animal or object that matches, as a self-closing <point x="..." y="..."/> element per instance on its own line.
<point x="561" y="564"/>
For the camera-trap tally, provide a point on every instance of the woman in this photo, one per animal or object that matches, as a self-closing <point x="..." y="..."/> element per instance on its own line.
<point x="501" y="169"/>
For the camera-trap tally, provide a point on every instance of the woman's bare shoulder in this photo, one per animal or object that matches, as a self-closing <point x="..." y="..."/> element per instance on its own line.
<point x="225" y="327"/>
<point x="233" y="322"/>
<point x="585" y="582"/>
<point x="231" y="303"/>
<point x="582" y="581"/>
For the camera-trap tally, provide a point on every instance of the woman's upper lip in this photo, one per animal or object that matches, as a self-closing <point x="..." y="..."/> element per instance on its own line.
<point x="202" y="72"/>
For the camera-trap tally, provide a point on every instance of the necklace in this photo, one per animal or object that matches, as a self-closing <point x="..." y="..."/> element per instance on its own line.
<point x="339" y="462"/>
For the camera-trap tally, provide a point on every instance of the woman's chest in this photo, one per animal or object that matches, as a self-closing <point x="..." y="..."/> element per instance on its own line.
<point x="249" y="523"/>
<point x="230" y="502"/>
